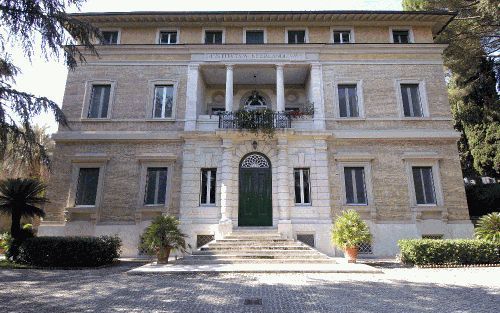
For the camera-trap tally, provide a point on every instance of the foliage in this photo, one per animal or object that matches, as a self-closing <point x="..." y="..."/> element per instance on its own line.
<point x="448" y="251"/>
<point x="256" y="121"/>
<point x="20" y="197"/>
<point x="163" y="232"/>
<point x="33" y="25"/>
<point x="4" y="241"/>
<point x="488" y="228"/>
<point x="473" y="42"/>
<point x="482" y="199"/>
<point x="69" y="251"/>
<point x="349" y="230"/>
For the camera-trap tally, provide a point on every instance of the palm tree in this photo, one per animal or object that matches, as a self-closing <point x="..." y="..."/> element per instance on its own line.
<point x="19" y="197"/>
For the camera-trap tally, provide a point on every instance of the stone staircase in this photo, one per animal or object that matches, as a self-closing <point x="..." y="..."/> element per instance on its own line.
<point x="255" y="246"/>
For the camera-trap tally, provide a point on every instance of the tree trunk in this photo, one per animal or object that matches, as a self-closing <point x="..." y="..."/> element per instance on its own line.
<point x="15" y="227"/>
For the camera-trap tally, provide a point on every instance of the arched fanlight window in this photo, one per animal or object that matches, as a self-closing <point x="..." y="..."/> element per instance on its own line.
<point x="255" y="100"/>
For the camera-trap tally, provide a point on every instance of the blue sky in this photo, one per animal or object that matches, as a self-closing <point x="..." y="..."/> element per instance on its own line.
<point x="48" y="78"/>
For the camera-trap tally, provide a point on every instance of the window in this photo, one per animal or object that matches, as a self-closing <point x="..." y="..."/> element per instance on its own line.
<point x="99" y="101"/>
<point x="355" y="185"/>
<point x="341" y="36"/>
<point x="86" y="190"/>
<point x="254" y="37"/>
<point x="424" y="185"/>
<point x="412" y="106"/>
<point x="109" y="37"/>
<point x="163" y="101"/>
<point x="208" y="179"/>
<point x="213" y="37"/>
<point x="296" y="36"/>
<point x="401" y="36"/>
<point x="168" y="37"/>
<point x="302" y="186"/>
<point x="348" y="101"/>
<point x="156" y="185"/>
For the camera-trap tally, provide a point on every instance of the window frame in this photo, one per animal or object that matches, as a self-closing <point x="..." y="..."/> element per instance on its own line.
<point x="118" y="40"/>
<point x="302" y="203"/>
<point x="411" y="39"/>
<point x="209" y="29"/>
<point x="422" y="90"/>
<point x="151" y="96"/>
<point x="423" y="161"/>
<point x="87" y="97"/>
<point x="359" y="93"/>
<point x="87" y="161"/>
<point x="208" y="204"/>
<point x="161" y="30"/>
<point x="340" y="29"/>
<point x="263" y="29"/>
<point x="306" y="35"/>
<point x="146" y="163"/>
<point x="347" y="160"/>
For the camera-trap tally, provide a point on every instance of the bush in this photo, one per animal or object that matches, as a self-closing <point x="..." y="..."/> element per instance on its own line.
<point x="488" y="227"/>
<point x="69" y="251"/>
<point x="483" y="199"/>
<point x="350" y="230"/>
<point x="448" y="251"/>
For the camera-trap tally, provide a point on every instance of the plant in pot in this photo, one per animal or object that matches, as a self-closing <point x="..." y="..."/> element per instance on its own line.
<point x="349" y="231"/>
<point x="162" y="237"/>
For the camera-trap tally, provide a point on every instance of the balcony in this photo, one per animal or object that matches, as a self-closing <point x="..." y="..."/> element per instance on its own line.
<point x="254" y="120"/>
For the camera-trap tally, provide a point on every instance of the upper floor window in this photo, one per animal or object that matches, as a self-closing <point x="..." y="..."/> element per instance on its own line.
<point x="302" y="186"/>
<point x="99" y="101"/>
<point x="86" y="189"/>
<point x="342" y="36"/>
<point x="355" y="185"/>
<point x="213" y="37"/>
<point x="168" y="37"/>
<point x="296" y="36"/>
<point x="207" y="192"/>
<point x="156" y="185"/>
<point x="254" y="36"/>
<point x="412" y="105"/>
<point x="348" y="100"/>
<point x="400" y="36"/>
<point x="110" y="37"/>
<point x="424" y="185"/>
<point x="163" y="101"/>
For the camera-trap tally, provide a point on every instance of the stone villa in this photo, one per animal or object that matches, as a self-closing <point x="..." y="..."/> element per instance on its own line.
<point x="360" y="119"/>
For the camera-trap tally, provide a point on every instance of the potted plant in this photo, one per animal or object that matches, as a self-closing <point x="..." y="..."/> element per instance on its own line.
<point x="162" y="237"/>
<point x="349" y="231"/>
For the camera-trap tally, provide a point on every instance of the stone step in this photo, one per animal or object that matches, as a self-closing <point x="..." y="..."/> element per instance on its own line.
<point x="214" y="247"/>
<point x="251" y="241"/>
<point x="189" y="260"/>
<point x="252" y="256"/>
<point x="259" y="254"/>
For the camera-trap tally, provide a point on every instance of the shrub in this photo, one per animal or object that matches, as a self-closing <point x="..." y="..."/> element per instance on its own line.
<point x="163" y="232"/>
<point x="448" y="251"/>
<point x="69" y="251"/>
<point x="483" y="199"/>
<point x="350" y="230"/>
<point x="488" y="227"/>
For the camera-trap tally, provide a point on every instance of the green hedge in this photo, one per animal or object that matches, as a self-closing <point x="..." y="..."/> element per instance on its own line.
<point x="448" y="251"/>
<point x="69" y="251"/>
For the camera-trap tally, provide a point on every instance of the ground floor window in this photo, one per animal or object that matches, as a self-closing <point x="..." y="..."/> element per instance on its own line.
<point x="302" y="186"/>
<point x="86" y="190"/>
<point x="355" y="188"/>
<point x="208" y="179"/>
<point x="156" y="185"/>
<point x="424" y="185"/>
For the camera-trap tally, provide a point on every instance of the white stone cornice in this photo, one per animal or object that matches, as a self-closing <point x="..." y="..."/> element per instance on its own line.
<point x="70" y="136"/>
<point x="409" y="134"/>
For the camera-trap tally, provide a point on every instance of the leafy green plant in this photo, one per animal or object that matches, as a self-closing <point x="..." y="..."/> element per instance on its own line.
<point x="488" y="227"/>
<point x="4" y="241"/>
<point x="256" y="121"/>
<point x="349" y="230"/>
<point x="69" y="251"/>
<point x="163" y="236"/>
<point x="448" y="251"/>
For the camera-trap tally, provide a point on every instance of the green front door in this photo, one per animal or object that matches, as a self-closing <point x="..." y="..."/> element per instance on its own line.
<point x="255" y="205"/>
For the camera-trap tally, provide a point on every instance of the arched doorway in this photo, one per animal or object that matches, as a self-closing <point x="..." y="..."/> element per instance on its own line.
<point x="255" y="200"/>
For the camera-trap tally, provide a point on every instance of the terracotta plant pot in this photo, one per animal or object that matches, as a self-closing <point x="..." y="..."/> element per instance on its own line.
<point x="351" y="254"/>
<point x="163" y="254"/>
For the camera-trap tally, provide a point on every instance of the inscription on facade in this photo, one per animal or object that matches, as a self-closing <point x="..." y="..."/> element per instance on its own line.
<point x="271" y="56"/>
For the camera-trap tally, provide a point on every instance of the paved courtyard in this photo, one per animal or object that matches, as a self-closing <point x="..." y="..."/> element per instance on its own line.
<point x="112" y="290"/>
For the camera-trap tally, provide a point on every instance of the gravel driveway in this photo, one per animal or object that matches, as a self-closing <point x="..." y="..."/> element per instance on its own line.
<point x="112" y="290"/>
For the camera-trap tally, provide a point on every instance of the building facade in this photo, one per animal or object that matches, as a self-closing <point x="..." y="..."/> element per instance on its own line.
<point x="359" y="117"/>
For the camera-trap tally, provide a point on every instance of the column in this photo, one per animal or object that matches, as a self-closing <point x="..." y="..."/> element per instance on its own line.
<point x="317" y="95"/>
<point x="284" y="223"/>
<point x="225" y="223"/>
<point x="280" y="89"/>
<point x="191" y="97"/>
<point x="229" y="88"/>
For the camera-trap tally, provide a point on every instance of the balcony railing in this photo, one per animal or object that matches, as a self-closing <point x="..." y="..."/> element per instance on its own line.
<point x="254" y="120"/>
